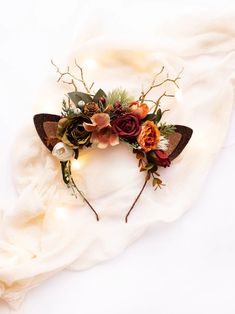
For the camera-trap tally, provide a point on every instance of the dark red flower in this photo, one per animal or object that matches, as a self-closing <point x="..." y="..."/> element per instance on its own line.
<point x="127" y="125"/>
<point x="161" y="158"/>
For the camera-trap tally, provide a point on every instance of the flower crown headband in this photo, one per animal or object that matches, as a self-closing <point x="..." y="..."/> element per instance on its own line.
<point x="102" y="119"/>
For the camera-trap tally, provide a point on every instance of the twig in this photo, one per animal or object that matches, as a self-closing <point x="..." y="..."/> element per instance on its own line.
<point x="144" y="94"/>
<point x="69" y="181"/>
<point x="73" y="77"/>
<point x="82" y="78"/>
<point x="92" y="85"/>
<point x="154" y="85"/>
<point x="157" y="103"/>
<point x="71" y="83"/>
<point x="84" y="198"/>
<point x="136" y="200"/>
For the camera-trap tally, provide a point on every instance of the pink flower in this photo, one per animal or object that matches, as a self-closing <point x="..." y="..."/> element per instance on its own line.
<point x="104" y="137"/>
<point x="102" y="133"/>
<point x="99" y="122"/>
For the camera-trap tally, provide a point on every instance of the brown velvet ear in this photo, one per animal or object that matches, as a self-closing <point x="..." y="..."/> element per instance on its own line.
<point x="46" y="126"/>
<point x="178" y="141"/>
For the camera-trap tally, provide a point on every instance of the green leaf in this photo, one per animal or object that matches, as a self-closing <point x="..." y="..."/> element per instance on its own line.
<point x="154" y="117"/>
<point x="78" y="96"/>
<point x="120" y="95"/>
<point x="167" y="129"/>
<point x="151" y="117"/>
<point x="99" y="94"/>
<point x="134" y="145"/>
<point x="159" y="115"/>
<point x="148" y="167"/>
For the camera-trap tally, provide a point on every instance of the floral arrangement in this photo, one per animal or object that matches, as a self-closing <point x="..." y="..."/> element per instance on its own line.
<point x="107" y="119"/>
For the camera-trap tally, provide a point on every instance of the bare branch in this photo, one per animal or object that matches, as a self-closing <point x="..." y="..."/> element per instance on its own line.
<point x="82" y="77"/>
<point x="157" y="103"/>
<point x="144" y="94"/>
<point x="73" y="77"/>
<point x="154" y="85"/>
<point x="136" y="200"/>
<point x="71" y="83"/>
<point x="156" y="75"/>
<point x="92" y="85"/>
<point x="62" y="74"/>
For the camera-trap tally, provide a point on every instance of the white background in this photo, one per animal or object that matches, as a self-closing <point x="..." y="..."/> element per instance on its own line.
<point x="182" y="268"/>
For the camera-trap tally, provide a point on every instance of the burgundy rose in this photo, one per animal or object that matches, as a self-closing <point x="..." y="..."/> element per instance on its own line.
<point x="161" y="158"/>
<point x="127" y="125"/>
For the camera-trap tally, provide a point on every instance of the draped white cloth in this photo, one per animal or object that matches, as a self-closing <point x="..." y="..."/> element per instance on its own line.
<point x="47" y="230"/>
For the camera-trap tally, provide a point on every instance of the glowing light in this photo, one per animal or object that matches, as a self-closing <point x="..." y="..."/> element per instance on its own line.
<point x="179" y="95"/>
<point x="60" y="212"/>
<point x="90" y="64"/>
<point x="76" y="165"/>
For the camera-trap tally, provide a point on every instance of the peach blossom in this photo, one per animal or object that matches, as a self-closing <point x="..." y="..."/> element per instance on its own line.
<point x="102" y="133"/>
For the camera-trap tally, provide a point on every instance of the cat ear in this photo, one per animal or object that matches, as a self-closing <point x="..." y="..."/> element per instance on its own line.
<point x="46" y="126"/>
<point x="178" y="140"/>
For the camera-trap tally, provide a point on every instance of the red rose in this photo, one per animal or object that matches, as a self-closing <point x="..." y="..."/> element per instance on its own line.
<point x="127" y="125"/>
<point x="161" y="159"/>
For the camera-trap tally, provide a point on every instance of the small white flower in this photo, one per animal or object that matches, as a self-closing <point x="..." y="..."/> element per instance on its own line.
<point x="76" y="111"/>
<point x="163" y="143"/>
<point x="62" y="151"/>
<point x="81" y="103"/>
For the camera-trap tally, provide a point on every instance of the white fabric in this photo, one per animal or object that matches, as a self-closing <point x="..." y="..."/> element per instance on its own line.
<point x="47" y="229"/>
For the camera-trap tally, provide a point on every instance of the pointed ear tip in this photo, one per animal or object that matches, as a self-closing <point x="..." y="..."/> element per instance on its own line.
<point x="36" y="116"/>
<point x="190" y="130"/>
<point x="186" y="128"/>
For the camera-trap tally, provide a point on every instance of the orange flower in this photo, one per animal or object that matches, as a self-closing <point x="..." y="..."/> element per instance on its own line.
<point x="141" y="109"/>
<point x="149" y="136"/>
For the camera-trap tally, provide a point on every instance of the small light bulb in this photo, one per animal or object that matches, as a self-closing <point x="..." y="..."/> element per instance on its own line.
<point x="90" y="64"/>
<point x="60" y="212"/>
<point x="76" y="165"/>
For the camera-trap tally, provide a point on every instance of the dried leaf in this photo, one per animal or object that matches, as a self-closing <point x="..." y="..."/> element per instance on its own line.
<point x="157" y="181"/>
<point x="99" y="94"/>
<point x="147" y="176"/>
<point x="78" y="96"/>
<point x="139" y="154"/>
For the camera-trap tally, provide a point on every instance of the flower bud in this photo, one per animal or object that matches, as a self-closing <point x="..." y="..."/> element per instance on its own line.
<point x="62" y="151"/>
